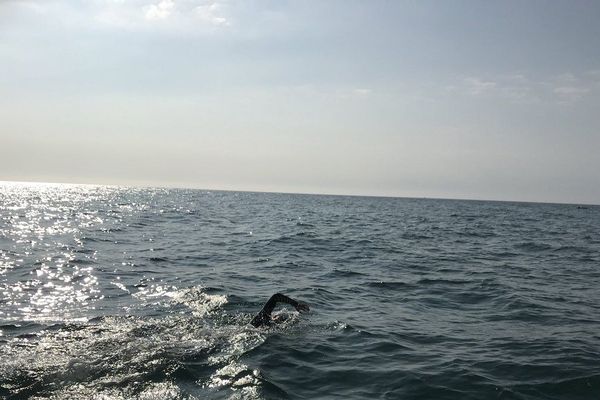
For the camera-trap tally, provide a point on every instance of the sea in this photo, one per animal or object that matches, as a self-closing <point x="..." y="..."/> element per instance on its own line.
<point x="146" y="293"/>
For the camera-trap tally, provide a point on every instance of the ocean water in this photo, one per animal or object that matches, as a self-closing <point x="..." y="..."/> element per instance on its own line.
<point x="123" y="293"/>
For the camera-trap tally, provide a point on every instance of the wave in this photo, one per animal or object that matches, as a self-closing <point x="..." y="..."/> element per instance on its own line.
<point x="128" y="356"/>
<point x="343" y="273"/>
<point x="533" y="246"/>
<point x="392" y="285"/>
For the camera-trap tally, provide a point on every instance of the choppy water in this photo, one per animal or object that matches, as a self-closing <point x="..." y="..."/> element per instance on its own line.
<point x="119" y="293"/>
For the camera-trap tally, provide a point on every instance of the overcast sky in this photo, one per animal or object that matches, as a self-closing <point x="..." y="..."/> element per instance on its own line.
<point x="459" y="99"/>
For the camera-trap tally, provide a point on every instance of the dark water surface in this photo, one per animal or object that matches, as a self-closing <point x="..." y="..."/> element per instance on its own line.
<point x="120" y="293"/>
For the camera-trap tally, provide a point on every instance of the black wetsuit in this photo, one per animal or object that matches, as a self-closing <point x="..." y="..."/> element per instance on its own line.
<point x="264" y="316"/>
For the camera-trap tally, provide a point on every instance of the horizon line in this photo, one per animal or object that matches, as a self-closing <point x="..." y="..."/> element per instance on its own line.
<point x="177" y="187"/>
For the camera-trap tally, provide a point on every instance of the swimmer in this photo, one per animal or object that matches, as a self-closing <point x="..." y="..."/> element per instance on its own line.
<point x="264" y="316"/>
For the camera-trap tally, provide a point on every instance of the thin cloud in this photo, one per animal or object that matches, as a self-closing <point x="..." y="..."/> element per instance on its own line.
<point x="362" y="91"/>
<point x="328" y="92"/>
<point x="476" y="86"/>
<point x="570" y="94"/>
<point x="565" y="88"/>
<point x="212" y="14"/>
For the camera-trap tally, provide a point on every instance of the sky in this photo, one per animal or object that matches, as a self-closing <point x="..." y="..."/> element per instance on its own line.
<point x="450" y="99"/>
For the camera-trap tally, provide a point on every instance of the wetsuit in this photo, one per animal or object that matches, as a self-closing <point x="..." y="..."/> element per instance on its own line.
<point x="264" y="316"/>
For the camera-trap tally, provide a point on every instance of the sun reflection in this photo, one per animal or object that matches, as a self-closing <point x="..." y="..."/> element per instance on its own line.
<point x="45" y="270"/>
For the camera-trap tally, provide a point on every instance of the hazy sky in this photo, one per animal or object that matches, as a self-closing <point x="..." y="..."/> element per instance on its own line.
<point x="466" y="99"/>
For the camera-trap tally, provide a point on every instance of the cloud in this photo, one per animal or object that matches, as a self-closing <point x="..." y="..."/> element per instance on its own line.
<point x="362" y="91"/>
<point x="477" y="86"/>
<point x="327" y="91"/>
<point x="31" y="5"/>
<point x="211" y="13"/>
<point x="569" y="88"/>
<point x="188" y="16"/>
<point x="594" y="74"/>
<point x="564" y="88"/>
<point x="160" y="10"/>
<point x="570" y="94"/>
<point x="191" y="16"/>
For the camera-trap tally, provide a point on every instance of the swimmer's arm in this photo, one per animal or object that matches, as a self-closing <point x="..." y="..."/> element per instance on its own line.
<point x="264" y="316"/>
<point x="281" y="298"/>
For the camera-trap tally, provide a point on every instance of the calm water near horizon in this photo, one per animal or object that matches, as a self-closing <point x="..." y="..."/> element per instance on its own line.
<point x="133" y="293"/>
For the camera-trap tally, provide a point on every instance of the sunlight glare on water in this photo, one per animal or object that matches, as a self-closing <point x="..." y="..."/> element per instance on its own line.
<point x="45" y="220"/>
